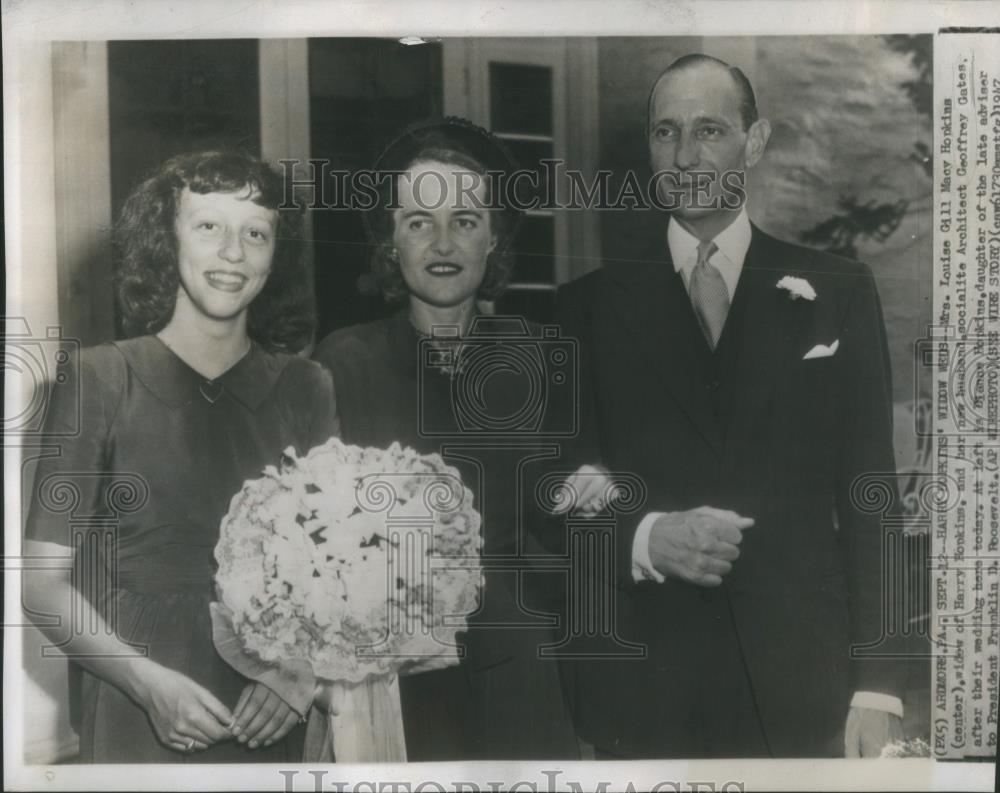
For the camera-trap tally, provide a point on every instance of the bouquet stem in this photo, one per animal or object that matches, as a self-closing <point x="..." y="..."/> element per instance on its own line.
<point x="368" y="727"/>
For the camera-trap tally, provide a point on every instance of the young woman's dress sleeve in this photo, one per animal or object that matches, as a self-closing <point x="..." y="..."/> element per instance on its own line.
<point x="69" y="480"/>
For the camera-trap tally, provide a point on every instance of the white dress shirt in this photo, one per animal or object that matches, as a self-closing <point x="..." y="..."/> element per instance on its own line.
<point x="732" y="245"/>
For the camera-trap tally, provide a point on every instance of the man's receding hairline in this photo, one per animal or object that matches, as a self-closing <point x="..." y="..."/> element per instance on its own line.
<point x="692" y="61"/>
<point x="682" y="65"/>
<point x="673" y="70"/>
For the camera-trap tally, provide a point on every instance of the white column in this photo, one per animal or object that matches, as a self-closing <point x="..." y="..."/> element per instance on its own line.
<point x="29" y="185"/>
<point x="284" y="99"/>
<point x="37" y="697"/>
<point x="283" y="65"/>
<point x="83" y="188"/>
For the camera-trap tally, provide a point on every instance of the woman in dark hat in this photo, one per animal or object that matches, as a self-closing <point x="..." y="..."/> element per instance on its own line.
<point x="441" y="234"/>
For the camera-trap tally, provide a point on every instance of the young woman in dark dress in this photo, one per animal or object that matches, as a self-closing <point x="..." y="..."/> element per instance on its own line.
<point x="203" y="394"/>
<point x="437" y="256"/>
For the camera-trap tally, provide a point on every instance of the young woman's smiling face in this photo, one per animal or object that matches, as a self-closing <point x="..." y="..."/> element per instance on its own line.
<point x="442" y="232"/>
<point x="225" y="244"/>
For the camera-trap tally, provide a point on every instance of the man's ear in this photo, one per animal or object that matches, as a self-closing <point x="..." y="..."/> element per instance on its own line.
<point x="757" y="137"/>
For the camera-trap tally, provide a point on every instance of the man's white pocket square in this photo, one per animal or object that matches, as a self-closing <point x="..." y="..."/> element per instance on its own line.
<point x="822" y="351"/>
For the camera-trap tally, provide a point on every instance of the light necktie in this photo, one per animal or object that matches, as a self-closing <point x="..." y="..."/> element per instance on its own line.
<point x="709" y="294"/>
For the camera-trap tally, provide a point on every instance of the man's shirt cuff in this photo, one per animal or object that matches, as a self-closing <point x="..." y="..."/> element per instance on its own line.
<point x="876" y="701"/>
<point x="642" y="566"/>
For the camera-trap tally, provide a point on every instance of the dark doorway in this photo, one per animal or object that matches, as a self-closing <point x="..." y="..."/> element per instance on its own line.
<point x="170" y="97"/>
<point x="363" y="92"/>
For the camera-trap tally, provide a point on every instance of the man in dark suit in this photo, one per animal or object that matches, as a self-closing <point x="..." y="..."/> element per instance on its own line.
<point x="746" y="381"/>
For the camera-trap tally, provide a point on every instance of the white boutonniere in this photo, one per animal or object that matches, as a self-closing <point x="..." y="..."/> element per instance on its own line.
<point x="797" y="287"/>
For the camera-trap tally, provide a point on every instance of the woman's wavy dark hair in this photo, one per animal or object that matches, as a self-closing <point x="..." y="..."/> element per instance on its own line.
<point x="282" y="317"/>
<point x="453" y="141"/>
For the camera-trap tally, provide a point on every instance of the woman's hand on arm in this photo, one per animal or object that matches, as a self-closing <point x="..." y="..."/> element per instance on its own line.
<point x="587" y="489"/>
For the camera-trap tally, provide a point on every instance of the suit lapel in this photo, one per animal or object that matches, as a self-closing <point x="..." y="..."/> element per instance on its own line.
<point x="759" y="340"/>
<point x="650" y="300"/>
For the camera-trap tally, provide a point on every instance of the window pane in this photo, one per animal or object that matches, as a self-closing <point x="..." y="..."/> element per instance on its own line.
<point x="528" y="155"/>
<point x="521" y="98"/>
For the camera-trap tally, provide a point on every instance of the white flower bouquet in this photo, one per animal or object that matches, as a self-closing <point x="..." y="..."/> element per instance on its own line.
<point x="346" y="567"/>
